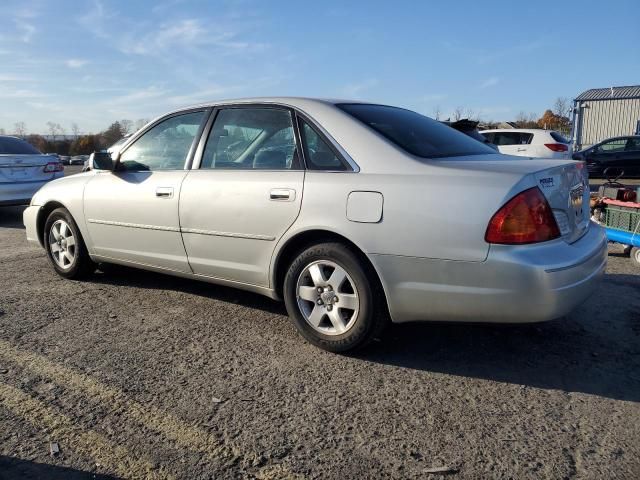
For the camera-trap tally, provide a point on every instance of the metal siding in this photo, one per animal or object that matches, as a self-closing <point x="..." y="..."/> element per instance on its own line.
<point x="608" y="118"/>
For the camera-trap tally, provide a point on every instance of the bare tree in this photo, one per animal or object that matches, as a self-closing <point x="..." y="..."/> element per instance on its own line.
<point x="470" y="114"/>
<point x="562" y="107"/>
<point x="126" y="126"/>
<point x="20" y="129"/>
<point x="61" y="130"/>
<point x="75" y="129"/>
<point x="457" y="113"/>
<point x="437" y="112"/>
<point x="141" y="122"/>
<point x="3" y="131"/>
<point x="52" y="130"/>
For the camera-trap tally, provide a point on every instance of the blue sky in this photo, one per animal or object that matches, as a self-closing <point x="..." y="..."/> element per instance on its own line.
<point x="92" y="62"/>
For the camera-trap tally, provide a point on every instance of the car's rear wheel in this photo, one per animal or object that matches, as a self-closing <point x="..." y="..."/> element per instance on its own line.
<point x="65" y="247"/>
<point x="333" y="299"/>
<point x="635" y="256"/>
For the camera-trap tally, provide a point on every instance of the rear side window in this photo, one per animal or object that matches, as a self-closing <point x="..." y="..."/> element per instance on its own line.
<point x="558" y="138"/>
<point x="512" y="138"/>
<point x="415" y="133"/>
<point x="318" y="153"/>
<point x="15" y="146"/>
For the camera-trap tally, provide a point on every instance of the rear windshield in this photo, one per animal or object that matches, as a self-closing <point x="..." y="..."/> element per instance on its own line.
<point x="15" y="146"/>
<point x="415" y="133"/>
<point x="558" y="138"/>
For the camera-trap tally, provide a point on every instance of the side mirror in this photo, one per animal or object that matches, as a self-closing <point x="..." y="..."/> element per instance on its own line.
<point x="102" y="160"/>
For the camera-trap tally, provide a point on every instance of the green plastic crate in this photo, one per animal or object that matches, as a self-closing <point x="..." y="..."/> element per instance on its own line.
<point x="623" y="218"/>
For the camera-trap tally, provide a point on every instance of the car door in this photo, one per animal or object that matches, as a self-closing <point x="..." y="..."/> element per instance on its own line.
<point x="132" y="212"/>
<point x="609" y="154"/>
<point x="631" y="157"/>
<point x="243" y="193"/>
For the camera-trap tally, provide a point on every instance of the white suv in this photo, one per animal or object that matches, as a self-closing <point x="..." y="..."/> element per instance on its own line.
<point x="530" y="142"/>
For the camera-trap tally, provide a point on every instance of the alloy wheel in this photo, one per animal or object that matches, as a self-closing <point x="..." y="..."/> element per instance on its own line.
<point x="62" y="244"/>
<point x="327" y="297"/>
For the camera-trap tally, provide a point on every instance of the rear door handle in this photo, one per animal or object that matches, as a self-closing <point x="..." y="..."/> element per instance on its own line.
<point x="521" y="150"/>
<point x="282" y="194"/>
<point x="164" y="192"/>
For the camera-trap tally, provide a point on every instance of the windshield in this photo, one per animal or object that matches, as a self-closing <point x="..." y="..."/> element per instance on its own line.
<point x="15" y="146"/>
<point x="415" y="133"/>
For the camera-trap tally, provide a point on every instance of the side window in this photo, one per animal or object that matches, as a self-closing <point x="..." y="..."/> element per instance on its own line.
<point x="633" y="145"/>
<point x="489" y="136"/>
<point x="525" y="138"/>
<point x="252" y="139"/>
<point x="165" y="146"/>
<point x="507" y="138"/>
<point x="613" y="146"/>
<point x="318" y="153"/>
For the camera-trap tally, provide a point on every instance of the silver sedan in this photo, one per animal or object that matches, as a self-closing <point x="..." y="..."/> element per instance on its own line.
<point x="355" y="214"/>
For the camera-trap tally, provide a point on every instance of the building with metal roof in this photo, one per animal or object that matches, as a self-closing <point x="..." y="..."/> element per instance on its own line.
<point x="601" y="113"/>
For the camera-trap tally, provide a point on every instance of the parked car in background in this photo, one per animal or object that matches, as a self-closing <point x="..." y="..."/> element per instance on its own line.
<point x="342" y="209"/>
<point x="79" y="159"/>
<point x="65" y="159"/>
<point x="23" y="170"/>
<point x="620" y="155"/>
<point x="470" y="128"/>
<point x="530" y="142"/>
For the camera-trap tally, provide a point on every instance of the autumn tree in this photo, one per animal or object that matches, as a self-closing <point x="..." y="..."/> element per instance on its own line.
<point x="553" y="121"/>
<point x="85" y="145"/>
<point x="112" y="134"/>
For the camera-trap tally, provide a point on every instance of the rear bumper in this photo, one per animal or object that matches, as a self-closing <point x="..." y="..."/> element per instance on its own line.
<point x="19" y="193"/>
<point x="515" y="284"/>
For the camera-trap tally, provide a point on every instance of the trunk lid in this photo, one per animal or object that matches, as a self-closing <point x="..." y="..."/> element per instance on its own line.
<point x="564" y="183"/>
<point x="25" y="168"/>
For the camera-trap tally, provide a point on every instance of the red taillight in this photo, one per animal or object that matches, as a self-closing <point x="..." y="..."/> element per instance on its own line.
<point x="526" y="218"/>
<point x="557" y="147"/>
<point x="52" y="167"/>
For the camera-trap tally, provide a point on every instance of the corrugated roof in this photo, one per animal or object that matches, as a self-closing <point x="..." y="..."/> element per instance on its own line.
<point x="632" y="91"/>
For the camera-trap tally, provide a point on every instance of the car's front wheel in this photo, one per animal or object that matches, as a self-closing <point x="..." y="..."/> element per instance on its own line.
<point x="635" y="256"/>
<point x="65" y="247"/>
<point x="333" y="298"/>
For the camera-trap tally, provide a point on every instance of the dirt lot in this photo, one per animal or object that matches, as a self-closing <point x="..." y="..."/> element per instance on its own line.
<point x="139" y="375"/>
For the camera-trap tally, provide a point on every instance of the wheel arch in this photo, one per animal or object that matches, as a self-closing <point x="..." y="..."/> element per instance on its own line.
<point x="305" y="239"/>
<point x="43" y="214"/>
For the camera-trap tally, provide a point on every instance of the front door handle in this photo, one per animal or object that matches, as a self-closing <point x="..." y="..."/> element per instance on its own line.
<point x="521" y="150"/>
<point x="164" y="192"/>
<point x="282" y="194"/>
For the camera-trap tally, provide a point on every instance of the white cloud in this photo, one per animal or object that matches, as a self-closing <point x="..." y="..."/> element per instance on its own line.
<point x="490" y="82"/>
<point x="75" y="63"/>
<point x="27" y="31"/>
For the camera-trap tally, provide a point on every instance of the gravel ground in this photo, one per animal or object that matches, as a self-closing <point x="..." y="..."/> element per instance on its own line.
<point x="140" y="375"/>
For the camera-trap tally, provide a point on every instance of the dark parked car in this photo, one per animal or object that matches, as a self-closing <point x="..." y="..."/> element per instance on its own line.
<point x="621" y="155"/>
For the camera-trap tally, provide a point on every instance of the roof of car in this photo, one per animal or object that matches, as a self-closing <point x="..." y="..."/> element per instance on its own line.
<point x="297" y="102"/>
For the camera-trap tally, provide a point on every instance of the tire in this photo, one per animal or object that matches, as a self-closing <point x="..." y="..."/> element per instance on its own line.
<point x="635" y="256"/>
<point x="334" y="299"/>
<point x="65" y="247"/>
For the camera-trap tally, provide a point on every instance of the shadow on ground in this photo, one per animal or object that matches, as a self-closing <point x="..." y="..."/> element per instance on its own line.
<point x="16" y="468"/>
<point x="11" y="217"/>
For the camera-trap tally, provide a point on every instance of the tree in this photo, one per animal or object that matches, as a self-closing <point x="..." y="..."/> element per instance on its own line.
<point x="85" y="145"/>
<point x="457" y="114"/>
<point x="76" y="130"/>
<point x="3" y="131"/>
<point x="553" y="121"/>
<point x="20" y="129"/>
<point x="112" y="134"/>
<point x="126" y="126"/>
<point x="562" y="107"/>
<point x="53" y="130"/>
<point x="141" y="122"/>
<point x="526" y="120"/>
<point x="437" y="112"/>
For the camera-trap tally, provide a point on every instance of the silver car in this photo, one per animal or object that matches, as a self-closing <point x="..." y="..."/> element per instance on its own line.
<point x="353" y="213"/>
<point x="23" y="170"/>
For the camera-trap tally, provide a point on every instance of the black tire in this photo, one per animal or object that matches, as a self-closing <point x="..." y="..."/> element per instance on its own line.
<point x="635" y="256"/>
<point x="82" y="265"/>
<point x="372" y="315"/>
